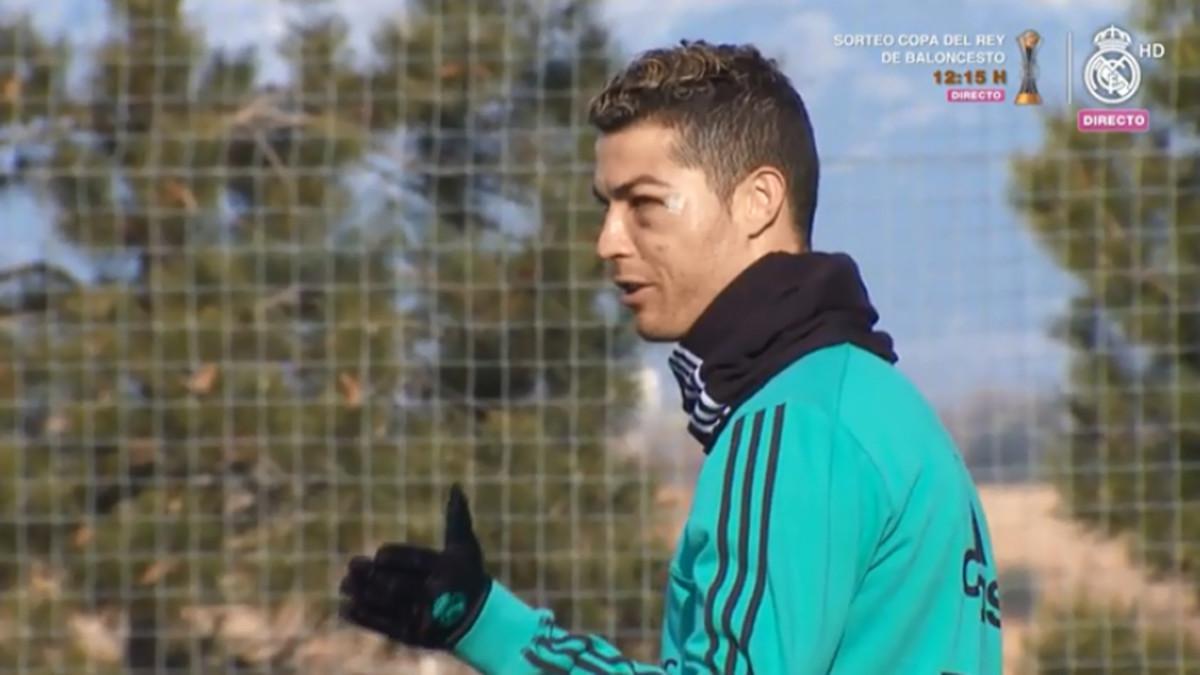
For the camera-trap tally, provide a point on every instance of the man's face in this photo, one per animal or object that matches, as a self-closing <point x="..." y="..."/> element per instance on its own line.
<point x="666" y="233"/>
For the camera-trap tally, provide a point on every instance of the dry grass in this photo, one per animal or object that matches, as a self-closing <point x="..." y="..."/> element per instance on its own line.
<point x="1030" y="532"/>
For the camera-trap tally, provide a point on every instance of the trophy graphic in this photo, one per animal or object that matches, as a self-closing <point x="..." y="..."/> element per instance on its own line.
<point x="1028" y="41"/>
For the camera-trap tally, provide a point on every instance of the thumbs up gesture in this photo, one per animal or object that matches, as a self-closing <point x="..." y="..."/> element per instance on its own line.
<point x="418" y="596"/>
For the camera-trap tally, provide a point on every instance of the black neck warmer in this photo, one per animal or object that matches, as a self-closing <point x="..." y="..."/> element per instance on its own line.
<point x="779" y="309"/>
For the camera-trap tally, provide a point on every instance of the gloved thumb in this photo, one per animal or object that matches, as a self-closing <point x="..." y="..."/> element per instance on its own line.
<point x="460" y="533"/>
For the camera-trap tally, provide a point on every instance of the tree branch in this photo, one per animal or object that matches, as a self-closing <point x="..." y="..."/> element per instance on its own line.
<point x="39" y="267"/>
<point x="29" y="301"/>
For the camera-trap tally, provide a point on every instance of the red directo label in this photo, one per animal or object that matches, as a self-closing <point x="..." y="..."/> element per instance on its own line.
<point x="1130" y="120"/>
<point x="976" y="95"/>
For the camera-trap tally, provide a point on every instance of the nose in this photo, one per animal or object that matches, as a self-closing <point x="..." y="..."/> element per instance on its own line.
<point x="613" y="241"/>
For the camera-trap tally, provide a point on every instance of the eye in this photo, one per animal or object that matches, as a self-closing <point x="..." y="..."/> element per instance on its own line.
<point x="642" y="201"/>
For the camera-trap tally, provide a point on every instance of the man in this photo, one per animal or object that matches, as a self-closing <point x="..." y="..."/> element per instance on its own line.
<point x="834" y="528"/>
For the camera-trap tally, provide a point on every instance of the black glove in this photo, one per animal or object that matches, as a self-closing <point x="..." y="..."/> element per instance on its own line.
<point x="418" y="596"/>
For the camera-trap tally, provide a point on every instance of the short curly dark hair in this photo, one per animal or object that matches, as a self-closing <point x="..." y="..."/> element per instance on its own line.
<point x="734" y="111"/>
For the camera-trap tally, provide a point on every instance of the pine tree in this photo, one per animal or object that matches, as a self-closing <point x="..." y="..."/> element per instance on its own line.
<point x="272" y="368"/>
<point x="1121" y="213"/>
<point x="538" y="377"/>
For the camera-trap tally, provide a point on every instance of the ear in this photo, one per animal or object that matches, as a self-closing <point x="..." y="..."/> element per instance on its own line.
<point x="758" y="200"/>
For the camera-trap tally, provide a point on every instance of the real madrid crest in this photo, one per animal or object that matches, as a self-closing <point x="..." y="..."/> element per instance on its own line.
<point x="1112" y="75"/>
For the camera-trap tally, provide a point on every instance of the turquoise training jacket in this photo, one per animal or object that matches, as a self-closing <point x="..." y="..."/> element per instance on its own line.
<point x="834" y="529"/>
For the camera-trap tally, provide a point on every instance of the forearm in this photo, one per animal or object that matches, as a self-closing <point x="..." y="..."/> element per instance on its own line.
<point x="510" y="637"/>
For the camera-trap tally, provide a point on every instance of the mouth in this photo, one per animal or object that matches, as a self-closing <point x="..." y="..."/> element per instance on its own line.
<point x="631" y="290"/>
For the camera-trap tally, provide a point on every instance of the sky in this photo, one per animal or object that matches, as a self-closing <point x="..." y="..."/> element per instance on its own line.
<point x="913" y="187"/>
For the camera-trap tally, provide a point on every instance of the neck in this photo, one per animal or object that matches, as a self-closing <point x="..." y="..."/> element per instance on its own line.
<point x="778" y="309"/>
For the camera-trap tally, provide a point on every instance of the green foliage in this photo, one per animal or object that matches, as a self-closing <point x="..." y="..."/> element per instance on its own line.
<point x="1120" y="213"/>
<point x="1086" y="638"/>
<point x="243" y="396"/>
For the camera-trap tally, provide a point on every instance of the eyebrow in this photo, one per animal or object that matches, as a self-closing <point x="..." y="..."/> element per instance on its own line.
<point x="624" y="188"/>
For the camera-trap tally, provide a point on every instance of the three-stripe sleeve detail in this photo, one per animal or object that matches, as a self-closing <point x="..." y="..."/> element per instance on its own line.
<point x="764" y="526"/>
<point x="748" y="480"/>
<point x="710" y="602"/>
<point x="580" y="653"/>
<point x="746" y="507"/>
<point x="743" y="544"/>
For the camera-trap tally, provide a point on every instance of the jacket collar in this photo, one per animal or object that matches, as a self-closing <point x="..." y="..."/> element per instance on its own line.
<point x="780" y="308"/>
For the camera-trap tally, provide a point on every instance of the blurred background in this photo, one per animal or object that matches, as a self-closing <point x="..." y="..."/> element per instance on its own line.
<point x="274" y="273"/>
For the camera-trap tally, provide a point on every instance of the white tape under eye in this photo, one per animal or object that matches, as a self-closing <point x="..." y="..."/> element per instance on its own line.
<point x="675" y="204"/>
